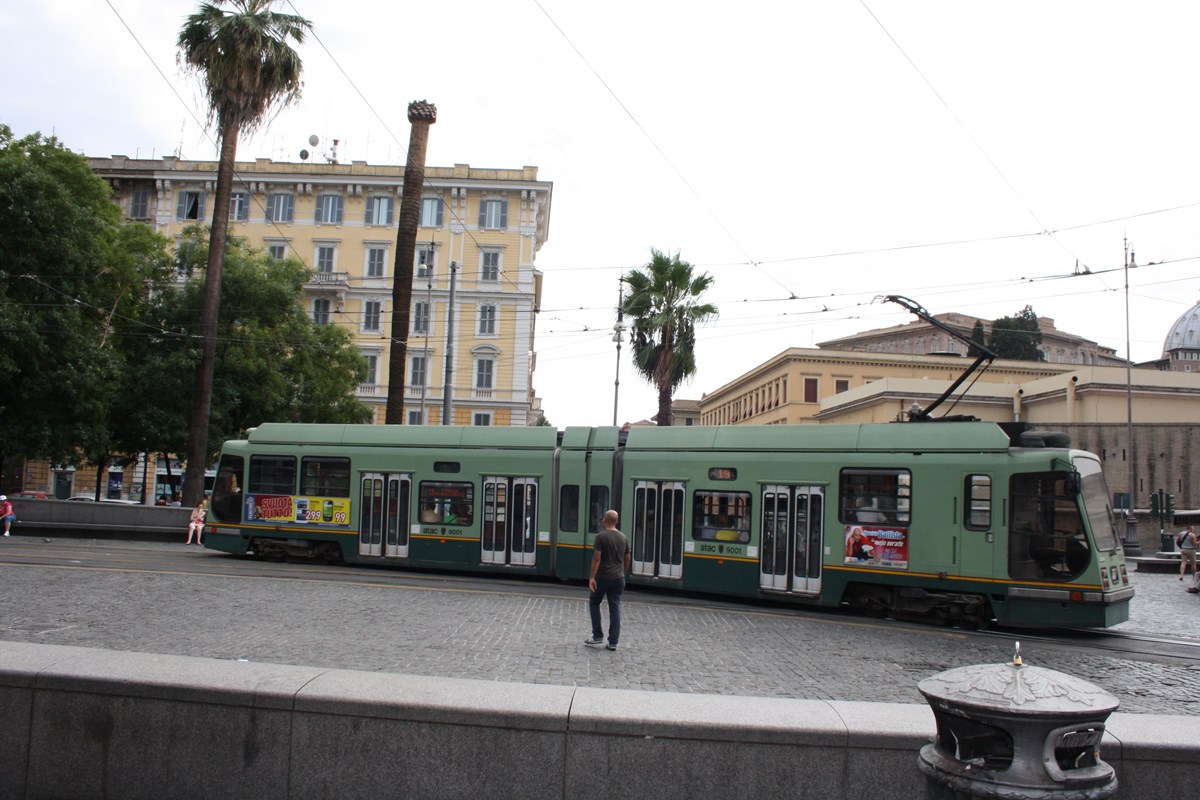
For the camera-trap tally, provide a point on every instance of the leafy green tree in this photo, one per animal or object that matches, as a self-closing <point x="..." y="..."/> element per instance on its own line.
<point x="273" y="361"/>
<point x="248" y="69"/>
<point x="978" y="337"/>
<point x="59" y="282"/>
<point x="663" y="307"/>
<point x="1017" y="337"/>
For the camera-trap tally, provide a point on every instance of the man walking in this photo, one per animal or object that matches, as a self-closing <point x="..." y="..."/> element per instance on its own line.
<point x="610" y="562"/>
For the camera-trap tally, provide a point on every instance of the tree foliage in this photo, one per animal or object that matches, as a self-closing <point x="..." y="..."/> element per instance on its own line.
<point x="978" y="338"/>
<point x="59" y="282"/>
<point x="1017" y="337"/>
<point x="663" y="306"/>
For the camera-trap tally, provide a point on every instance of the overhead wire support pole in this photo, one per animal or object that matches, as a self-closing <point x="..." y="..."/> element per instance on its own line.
<point x="618" y="335"/>
<point x="449" y="385"/>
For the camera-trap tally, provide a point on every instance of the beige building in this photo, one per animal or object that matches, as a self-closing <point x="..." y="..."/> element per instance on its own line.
<point x="920" y="338"/>
<point x="481" y="228"/>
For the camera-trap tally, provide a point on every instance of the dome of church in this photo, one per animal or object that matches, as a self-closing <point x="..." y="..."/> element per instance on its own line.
<point x="1185" y="333"/>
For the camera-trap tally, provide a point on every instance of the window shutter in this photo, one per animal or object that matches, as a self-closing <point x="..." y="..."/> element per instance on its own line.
<point x="179" y="207"/>
<point x="200" y="212"/>
<point x="317" y="213"/>
<point x="483" y="213"/>
<point x="271" y="207"/>
<point x="389" y="209"/>
<point x="288" y="207"/>
<point x="439" y="212"/>
<point x="369" y="215"/>
<point x="503" y="215"/>
<point x="339" y="205"/>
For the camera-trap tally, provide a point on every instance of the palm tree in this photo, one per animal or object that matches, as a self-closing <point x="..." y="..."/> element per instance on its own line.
<point x="664" y="306"/>
<point x="249" y="70"/>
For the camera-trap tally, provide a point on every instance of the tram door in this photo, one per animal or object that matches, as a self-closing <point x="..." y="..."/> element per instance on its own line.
<point x="509" y="533"/>
<point x="658" y="528"/>
<point x="383" y="514"/>
<point x="790" y="560"/>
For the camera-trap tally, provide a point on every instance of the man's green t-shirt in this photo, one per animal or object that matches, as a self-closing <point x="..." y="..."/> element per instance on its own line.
<point x="612" y="547"/>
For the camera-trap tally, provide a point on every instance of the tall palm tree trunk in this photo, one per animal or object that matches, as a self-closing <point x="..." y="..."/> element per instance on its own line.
<point x="197" y="453"/>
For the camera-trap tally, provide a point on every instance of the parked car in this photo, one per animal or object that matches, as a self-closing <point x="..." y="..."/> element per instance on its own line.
<point x="88" y="498"/>
<point x="30" y="495"/>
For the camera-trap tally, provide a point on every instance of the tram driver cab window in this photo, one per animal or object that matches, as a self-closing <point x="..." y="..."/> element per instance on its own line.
<point x="1047" y="538"/>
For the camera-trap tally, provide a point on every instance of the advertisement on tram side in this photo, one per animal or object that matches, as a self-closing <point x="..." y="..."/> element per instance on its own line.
<point x="877" y="546"/>
<point x="298" y="510"/>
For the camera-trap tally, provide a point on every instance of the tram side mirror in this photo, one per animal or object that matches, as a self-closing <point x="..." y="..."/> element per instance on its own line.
<point x="1072" y="484"/>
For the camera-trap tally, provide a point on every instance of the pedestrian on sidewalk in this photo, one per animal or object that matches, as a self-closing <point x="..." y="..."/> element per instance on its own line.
<point x="1187" y="551"/>
<point x="196" y="525"/>
<point x="611" y="559"/>
<point x="6" y="513"/>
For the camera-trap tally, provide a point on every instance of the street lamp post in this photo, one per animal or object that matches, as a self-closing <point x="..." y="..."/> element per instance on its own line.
<point x="618" y="335"/>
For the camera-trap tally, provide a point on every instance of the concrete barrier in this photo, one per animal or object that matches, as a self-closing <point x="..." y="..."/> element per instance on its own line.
<point x="115" y="520"/>
<point x="83" y="723"/>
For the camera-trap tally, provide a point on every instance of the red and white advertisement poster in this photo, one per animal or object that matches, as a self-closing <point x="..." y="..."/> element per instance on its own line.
<point x="877" y="546"/>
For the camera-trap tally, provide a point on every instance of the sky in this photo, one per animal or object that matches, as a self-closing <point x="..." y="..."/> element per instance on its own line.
<point x="811" y="157"/>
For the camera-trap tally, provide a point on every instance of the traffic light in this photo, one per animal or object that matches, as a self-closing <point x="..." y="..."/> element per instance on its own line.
<point x="1155" y="505"/>
<point x="1170" y="505"/>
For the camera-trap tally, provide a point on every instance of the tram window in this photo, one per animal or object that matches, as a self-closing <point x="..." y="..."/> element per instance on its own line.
<point x="721" y="516"/>
<point x="227" y="496"/>
<point x="446" y="503"/>
<point x="568" y="507"/>
<point x="272" y="475"/>
<point x="325" y="476"/>
<point x="876" y="497"/>
<point x="597" y="505"/>
<point x="978" y="491"/>
<point x="1046" y="539"/>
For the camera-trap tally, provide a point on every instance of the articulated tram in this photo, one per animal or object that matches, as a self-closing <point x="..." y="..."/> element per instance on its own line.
<point x="960" y="522"/>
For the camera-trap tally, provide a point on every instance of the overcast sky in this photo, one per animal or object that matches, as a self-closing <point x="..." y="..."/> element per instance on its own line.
<point x="810" y="158"/>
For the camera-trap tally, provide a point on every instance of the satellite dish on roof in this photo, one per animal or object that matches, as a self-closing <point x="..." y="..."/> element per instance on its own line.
<point x="304" y="155"/>
<point x="313" y="140"/>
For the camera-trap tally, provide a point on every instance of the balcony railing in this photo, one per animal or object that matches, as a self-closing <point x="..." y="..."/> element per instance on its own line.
<point x="330" y="278"/>
<point x="372" y="389"/>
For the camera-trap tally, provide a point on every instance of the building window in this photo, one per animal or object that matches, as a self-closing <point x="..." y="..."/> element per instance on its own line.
<point x="326" y="258"/>
<point x="484" y="372"/>
<point x="416" y="371"/>
<point x="841" y="385"/>
<point x="280" y="207"/>
<point x="810" y="390"/>
<point x="431" y="212"/>
<point x="493" y="214"/>
<point x="425" y="263"/>
<point x="490" y="269"/>
<point x="321" y="311"/>
<point x="379" y="210"/>
<point x="277" y="251"/>
<point x="371" y="309"/>
<point x="191" y="205"/>
<point x="376" y="258"/>
<point x="329" y="209"/>
<point x="487" y="319"/>
<point x="420" y="317"/>
<point x="414" y="418"/>
<point x="372" y="369"/>
<point x="139" y="204"/>
<point x="483" y="418"/>
<point x="239" y="206"/>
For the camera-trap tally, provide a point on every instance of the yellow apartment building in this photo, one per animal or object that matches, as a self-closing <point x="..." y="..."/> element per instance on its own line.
<point x="480" y="228"/>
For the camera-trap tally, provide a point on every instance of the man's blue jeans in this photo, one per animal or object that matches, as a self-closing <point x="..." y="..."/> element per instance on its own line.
<point x="612" y="588"/>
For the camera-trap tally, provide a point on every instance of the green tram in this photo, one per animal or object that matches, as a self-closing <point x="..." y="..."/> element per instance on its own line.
<point x="962" y="522"/>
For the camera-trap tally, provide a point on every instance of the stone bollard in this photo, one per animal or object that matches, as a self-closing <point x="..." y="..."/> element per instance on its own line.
<point x="1016" y="731"/>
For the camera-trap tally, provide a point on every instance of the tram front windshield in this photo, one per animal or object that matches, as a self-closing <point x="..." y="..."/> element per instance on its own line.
<point x="1096" y="505"/>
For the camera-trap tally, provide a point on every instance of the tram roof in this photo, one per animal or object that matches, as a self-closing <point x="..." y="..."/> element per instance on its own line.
<point x="909" y="437"/>
<point x="542" y="437"/>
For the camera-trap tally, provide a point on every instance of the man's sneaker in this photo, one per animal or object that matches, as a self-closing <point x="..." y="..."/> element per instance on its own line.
<point x="610" y="646"/>
<point x="594" y="641"/>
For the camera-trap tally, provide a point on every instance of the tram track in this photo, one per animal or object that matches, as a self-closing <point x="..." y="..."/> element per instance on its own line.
<point x="166" y="558"/>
